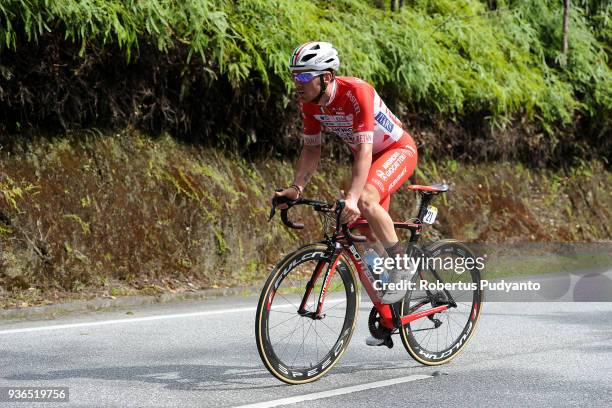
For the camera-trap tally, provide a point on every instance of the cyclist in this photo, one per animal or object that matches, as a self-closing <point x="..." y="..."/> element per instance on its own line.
<point x="384" y="153"/>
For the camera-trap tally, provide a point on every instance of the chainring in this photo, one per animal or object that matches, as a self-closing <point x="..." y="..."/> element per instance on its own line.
<point x="376" y="329"/>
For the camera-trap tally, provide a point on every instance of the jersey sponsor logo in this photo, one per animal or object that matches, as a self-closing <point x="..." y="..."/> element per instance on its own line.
<point x="384" y="175"/>
<point x="398" y="178"/>
<point x="311" y="140"/>
<point x="334" y="118"/>
<point x="335" y="122"/>
<point x="365" y="137"/>
<point x="354" y="101"/>
<point x="345" y="133"/>
<point x="384" y="121"/>
<point x="390" y="160"/>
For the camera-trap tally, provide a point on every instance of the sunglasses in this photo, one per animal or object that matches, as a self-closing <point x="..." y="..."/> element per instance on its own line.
<point x="304" y="77"/>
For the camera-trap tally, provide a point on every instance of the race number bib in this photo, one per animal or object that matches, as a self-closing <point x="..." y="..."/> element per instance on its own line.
<point x="430" y="217"/>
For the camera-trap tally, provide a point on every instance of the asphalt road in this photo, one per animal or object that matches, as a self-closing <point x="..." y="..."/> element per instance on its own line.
<point x="203" y="354"/>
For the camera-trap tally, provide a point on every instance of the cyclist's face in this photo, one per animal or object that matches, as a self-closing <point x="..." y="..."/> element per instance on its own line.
<point x="308" y="90"/>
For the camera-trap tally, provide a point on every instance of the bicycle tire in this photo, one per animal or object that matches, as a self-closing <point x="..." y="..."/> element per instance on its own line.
<point x="298" y="265"/>
<point x="418" y="343"/>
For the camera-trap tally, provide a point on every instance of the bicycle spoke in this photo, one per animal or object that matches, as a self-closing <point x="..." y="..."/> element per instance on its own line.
<point x="301" y="347"/>
<point x="273" y="344"/>
<point x="287" y="344"/>
<point x="437" y="339"/>
<point x="288" y="301"/>
<point x="298" y="349"/>
<point x="454" y="321"/>
<point x="418" y="330"/>
<point x="447" y="326"/>
<point x="303" y="342"/>
<point x="327" y="326"/>
<point x="280" y="311"/>
<point x="428" y="337"/>
<point x="320" y="338"/>
<point x="316" y="342"/>
<point x="284" y="321"/>
<point x="337" y="304"/>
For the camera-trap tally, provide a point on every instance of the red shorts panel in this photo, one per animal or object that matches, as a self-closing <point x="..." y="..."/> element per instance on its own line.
<point x="391" y="168"/>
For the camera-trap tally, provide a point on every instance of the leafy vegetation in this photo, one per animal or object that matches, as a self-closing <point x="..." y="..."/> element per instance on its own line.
<point x="187" y="66"/>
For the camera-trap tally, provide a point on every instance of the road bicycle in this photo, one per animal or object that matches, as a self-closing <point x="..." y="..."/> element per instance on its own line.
<point x="308" y="306"/>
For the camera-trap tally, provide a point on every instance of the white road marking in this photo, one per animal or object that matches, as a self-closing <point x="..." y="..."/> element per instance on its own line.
<point x="337" y="391"/>
<point x="140" y="319"/>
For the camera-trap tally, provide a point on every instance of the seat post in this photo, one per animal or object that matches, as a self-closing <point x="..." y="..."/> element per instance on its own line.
<point x="426" y="198"/>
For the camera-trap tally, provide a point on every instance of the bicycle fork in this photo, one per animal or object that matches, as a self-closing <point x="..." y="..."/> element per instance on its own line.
<point x="331" y="258"/>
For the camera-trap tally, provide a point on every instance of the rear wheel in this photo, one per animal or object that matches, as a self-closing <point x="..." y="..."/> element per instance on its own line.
<point x="294" y="347"/>
<point x="437" y="339"/>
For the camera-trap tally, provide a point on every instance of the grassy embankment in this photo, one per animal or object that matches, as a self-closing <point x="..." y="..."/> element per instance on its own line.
<point x="126" y="214"/>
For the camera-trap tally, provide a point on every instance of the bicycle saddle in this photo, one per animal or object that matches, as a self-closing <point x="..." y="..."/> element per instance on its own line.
<point x="435" y="188"/>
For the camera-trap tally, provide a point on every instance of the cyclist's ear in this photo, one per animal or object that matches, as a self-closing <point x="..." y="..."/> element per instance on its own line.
<point x="329" y="76"/>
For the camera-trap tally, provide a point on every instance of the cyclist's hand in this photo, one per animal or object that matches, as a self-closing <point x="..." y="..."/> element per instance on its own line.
<point x="351" y="212"/>
<point x="291" y="193"/>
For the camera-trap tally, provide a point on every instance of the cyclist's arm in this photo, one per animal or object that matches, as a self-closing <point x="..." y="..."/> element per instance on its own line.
<point x="311" y="149"/>
<point x="362" y="138"/>
<point x="361" y="168"/>
<point x="307" y="164"/>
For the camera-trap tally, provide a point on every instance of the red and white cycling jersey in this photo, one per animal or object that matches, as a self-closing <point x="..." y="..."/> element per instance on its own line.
<point x="357" y="115"/>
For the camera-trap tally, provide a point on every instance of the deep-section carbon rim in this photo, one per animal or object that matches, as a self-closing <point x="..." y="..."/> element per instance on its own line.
<point x="423" y="341"/>
<point x="298" y="349"/>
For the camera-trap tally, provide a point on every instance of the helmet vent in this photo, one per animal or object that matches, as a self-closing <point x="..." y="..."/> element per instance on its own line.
<point x="314" y="56"/>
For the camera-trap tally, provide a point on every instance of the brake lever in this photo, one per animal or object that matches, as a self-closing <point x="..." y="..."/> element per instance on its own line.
<point x="274" y="204"/>
<point x="282" y="200"/>
<point x="272" y="212"/>
<point x="339" y="207"/>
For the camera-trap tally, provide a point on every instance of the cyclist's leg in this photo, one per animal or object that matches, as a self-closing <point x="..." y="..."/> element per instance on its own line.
<point x="388" y="172"/>
<point x="375" y="199"/>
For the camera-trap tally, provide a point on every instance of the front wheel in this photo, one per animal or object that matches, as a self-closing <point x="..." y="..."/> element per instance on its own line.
<point x="295" y="347"/>
<point x="440" y="337"/>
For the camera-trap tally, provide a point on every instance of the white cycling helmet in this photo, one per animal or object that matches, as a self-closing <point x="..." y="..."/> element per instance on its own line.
<point x="316" y="56"/>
